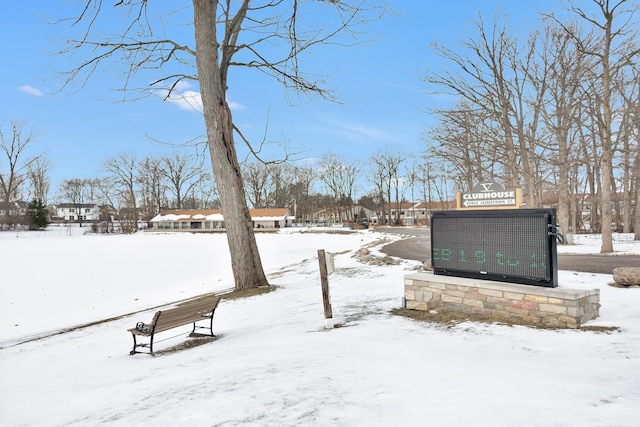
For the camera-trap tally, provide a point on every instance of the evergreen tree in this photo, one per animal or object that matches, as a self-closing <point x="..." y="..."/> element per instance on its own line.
<point x="361" y="219"/>
<point x="39" y="216"/>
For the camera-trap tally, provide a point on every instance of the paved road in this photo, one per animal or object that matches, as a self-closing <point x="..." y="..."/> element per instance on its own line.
<point x="418" y="249"/>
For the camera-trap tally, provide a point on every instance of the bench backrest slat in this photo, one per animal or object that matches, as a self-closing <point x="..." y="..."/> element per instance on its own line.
<point x="185" y="314"/>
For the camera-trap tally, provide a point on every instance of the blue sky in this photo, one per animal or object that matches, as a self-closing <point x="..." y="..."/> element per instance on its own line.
<point x="379" y="84"/>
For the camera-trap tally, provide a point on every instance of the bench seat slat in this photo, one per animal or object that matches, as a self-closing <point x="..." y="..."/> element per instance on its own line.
<point x="183" y="314"/>
<point x="184" y="319"/>
<point x="186" y="311"/>
<point x="170" y="324"/>
<point x="196" y="305"/>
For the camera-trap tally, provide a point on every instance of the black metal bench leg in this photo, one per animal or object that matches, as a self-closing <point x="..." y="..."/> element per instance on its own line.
<point x="211" y="326"/>
<point x="134" y="345"/>
<point x="193" y="333"/>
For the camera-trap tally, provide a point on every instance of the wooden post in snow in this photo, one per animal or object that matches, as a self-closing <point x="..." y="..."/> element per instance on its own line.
<point x="326" y="268"/>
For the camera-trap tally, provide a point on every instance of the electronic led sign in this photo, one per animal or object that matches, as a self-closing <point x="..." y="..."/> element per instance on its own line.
<point x="513" y="245"/>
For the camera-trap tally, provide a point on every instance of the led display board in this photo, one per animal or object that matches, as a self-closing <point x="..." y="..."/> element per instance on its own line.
<point x="510" y="245"/>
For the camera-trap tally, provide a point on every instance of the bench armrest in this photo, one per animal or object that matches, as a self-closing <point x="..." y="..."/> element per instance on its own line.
<point x="143" y="327"/>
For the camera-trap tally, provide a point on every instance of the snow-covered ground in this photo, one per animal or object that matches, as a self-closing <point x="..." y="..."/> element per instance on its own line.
<point x="274" y="363"/>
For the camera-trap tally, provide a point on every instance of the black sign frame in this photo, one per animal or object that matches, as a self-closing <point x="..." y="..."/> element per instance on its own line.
<point x="507" y="245"/>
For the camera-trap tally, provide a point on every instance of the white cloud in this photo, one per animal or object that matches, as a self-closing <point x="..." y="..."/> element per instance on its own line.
<point x="401" y="87"/>
<point x="307" y="161"/>
<point x="356" y="132"/>
<point x="360" y="131"/>
<point x="30" y="90"/>
<point x="235" y="105"/>
<point x="182" y="86"/>
<point x="187" y="99"/>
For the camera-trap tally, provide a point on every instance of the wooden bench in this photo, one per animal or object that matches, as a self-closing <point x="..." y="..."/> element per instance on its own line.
<point x="189" y="312"/>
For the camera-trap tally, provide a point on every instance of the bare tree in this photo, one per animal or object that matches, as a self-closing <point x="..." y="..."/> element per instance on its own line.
<point x="257" y="183"/>
<point x="631" y="154"/>
<point x="39" y="180"/>
<point x="340" y="178"/>
<point x="528" y="87"/>
<point x="461" y="138"/>
<point x="412" y="180"/>
<point x="266" y="36"/>
<point x="122" y="172"/>
<point x="442" y="186"/>
<point x="208" y="193"/>
<point x="151" y="182"/>
<point x="122" y="179"/>
<point x="565" y="68"/>
<point x="480" y="75"/>
<point x="630" y="91"/>
<point x="267" y="183"/>
<point x="626" y="134"/>
<point x="183" y="172"/>
<point x="14" y="172"/>
<point x="78" y="192"/>
<point x="109" y="195"/>
<point x="613" y="46"/>
<point x="502" y="86"/>
<point x="633" y="101"/>
<point x="425" y="180"/>
<point x="588" y="145"/>
<point x="301" y="191"/>
<point x="386" y="170"/>
<point x="637" y="184"/>
<point x="376" y="177"/>
<point x="282" y="176"/>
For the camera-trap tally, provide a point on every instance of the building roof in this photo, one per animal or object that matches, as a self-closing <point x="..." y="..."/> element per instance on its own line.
<point x="216" y="214"/>
<point x="275" y="213"/>
<point x="75" y="205"/>
<point x="18" y="204"/>
<point x="435" y="205"/>
<point x="339" y="209"/>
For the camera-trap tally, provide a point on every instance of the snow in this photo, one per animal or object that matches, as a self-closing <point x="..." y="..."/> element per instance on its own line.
<point x="274" y="363"/>
<point x="623" y="243"/>
<point x="175" y="217"/>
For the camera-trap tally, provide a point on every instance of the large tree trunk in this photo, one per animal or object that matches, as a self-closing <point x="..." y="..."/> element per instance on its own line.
<point x="607" y="146"/>
<point x="563" y="180"/>
<point x="245" y="258"/>
<point x="636" y="226"/>
<point x="627" y="187"/>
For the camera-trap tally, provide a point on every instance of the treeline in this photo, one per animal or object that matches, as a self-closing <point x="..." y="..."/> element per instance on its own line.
<point x="182" y="181"/>
<point x="141" y="187"/>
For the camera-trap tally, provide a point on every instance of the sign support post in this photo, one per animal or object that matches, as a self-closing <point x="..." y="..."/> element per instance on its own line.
<point x="326" y="268"/>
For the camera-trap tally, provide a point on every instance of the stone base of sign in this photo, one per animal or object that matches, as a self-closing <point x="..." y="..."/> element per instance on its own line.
<point x="550" y="307"/>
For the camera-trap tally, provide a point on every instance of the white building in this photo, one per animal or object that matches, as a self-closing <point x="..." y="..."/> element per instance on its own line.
<point x="203" y="220"/>
<point x="77" y="212"/>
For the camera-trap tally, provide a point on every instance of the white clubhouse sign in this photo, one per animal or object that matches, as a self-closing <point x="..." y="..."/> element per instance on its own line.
<point x="489" y="195"/>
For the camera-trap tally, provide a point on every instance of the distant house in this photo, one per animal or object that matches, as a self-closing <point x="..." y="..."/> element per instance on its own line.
<point x="13" y="213"/>
<point x="410" y="213"/>
<point x="76" y="212"/>
<point x="336" y="214"/>
<point x="211" y="220"/>
<point x="15" y="209"/>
